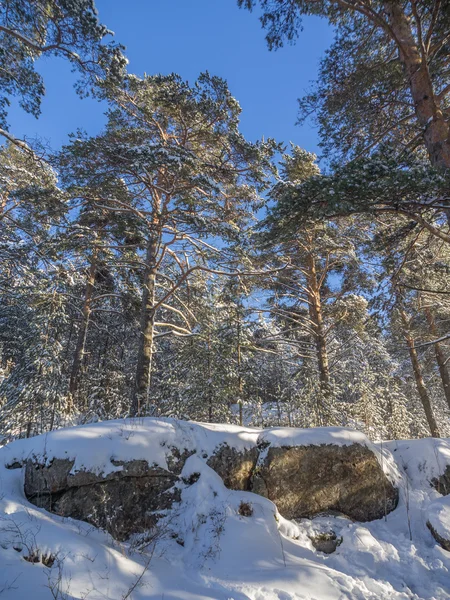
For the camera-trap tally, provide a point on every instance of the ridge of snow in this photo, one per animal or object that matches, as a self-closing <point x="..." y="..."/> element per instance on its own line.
<point x="291" y="436"/>
<point x="93" y="446"/>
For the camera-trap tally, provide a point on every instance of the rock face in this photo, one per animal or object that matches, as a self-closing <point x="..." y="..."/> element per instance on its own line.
<point x="306" y="480"/>
<point x="302" y="480"/>
<point x="234" y="467"/>
<point x="123" y="502"/>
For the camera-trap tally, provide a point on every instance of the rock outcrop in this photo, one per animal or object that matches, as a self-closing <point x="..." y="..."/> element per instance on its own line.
<point x="304" y="481"/>
<point x="307" y="476"/>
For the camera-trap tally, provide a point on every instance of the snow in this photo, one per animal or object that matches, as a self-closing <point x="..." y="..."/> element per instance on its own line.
<point x="97" y="446"/>
<point x="439" y="517"/>
<point x="290" y="436"/>
<point x="208" y="550"/>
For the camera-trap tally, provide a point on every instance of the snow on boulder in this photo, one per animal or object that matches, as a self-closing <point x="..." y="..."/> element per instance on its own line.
<point x="438" y="521"/>
<point x="125" y="501"/>
<point x="309" y="471"/>
<point x="123" y="476"/>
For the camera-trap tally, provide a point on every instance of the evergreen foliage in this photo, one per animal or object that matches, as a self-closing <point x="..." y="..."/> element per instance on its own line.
<point x="65" y="28"/>
<point x="168" y="266"/>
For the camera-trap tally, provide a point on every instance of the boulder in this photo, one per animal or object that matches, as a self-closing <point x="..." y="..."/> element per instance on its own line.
<point x="299" y="470"/>
<point x="304" y="481"/>
<point x="123" y="502"/>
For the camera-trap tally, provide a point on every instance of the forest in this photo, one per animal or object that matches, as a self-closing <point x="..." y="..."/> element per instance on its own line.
<point x="169" y="266"/>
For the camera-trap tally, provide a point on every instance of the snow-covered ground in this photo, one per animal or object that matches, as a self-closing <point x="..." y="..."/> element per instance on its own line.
<point x="220" y="554"/>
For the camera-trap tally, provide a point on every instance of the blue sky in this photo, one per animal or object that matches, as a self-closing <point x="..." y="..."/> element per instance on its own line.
<point x="187" y="37"/>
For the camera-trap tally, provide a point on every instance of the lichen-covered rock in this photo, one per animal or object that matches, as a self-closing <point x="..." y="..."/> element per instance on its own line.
<point x="130" y="498"/>
<point x="304" y="481"/>
<point x="120" y="506"/>
<point x="125" y="501"/>
<point x="234" y="467"/>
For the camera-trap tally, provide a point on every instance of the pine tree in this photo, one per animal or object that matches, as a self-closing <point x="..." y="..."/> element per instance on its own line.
<point x="32" y="311"/>
<point x="63" y="28"/>
<point x="385" y="76"/>
<point x="323" y="266"/>
<point x="172" y="158"/>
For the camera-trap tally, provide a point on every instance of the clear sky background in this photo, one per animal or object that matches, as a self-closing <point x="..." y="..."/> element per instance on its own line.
<point x="187" y="37"/>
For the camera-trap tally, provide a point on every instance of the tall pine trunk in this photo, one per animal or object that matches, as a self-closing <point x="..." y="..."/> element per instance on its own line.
<point x="146" y="335"/>
<point x="420" y="383"/>
<point x="83" y="330"/>
<point x="316" y="318"/>
<point x="440" y="356"/>
<point x="427" y="106"/>
<point x="239" y="366"/>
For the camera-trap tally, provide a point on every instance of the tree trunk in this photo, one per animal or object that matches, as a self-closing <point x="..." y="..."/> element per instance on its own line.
<point x="420" y="383"/>
<point x="427" y="107"/>
<point x="239" y="366"/>
<point x="147" y="326"/>
<point x="69" y="339"/>
<point x="210" y="394"/>
<point x="440" y="356"/>
<point x="82" y="333"/>
<point x="316" y="316"/>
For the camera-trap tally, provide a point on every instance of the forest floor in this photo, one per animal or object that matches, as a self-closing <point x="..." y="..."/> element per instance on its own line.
<point x="226" y="555"/>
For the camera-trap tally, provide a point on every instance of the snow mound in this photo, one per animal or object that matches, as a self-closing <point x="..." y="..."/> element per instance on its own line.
<point x="95" y="447"/>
